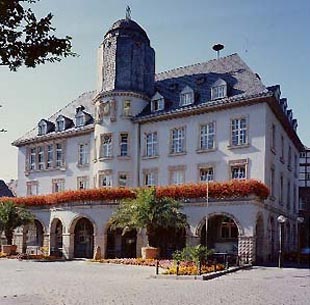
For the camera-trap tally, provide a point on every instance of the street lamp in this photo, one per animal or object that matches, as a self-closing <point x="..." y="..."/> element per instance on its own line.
<point x="281" y="220"/>
<point x="299" y="221"/>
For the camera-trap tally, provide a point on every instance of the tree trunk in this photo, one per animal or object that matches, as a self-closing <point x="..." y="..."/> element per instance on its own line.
<point x="9" y="236"/>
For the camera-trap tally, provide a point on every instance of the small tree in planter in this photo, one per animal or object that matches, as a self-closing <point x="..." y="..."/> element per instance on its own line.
<point x="11" y="217"/>
<point x="149" y="212"/>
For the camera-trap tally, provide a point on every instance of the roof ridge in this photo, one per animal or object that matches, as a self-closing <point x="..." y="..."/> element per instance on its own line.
<point x="196" y="64"/>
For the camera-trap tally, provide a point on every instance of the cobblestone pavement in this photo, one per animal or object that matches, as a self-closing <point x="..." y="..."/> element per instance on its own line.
<point x="78" y="282"/>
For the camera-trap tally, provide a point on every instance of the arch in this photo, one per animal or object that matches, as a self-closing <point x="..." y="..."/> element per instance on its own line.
<point x="56" y="236"/>
<point x="73" y="222"/>
<point x="34" y="234"/>
<point x="83" y="238"/>
<point x="260" y="238"/>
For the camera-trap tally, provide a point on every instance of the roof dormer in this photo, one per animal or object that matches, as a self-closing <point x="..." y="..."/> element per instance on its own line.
<point x="157" y="102"/>
<point x="63" y="123"/>
<point x="219" y="89"/>
<point x="44" y="127"/>
<point x="82" y="117"/>
<point x="186" y="96"/>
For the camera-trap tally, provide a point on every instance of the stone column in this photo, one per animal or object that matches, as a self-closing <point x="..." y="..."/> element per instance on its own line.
<point x="246" y="249"/>
<point x="142" y="241"/>
<point x="19" y="241"/>
<point x="99" y="241"/>
<point x="68" y="245"/>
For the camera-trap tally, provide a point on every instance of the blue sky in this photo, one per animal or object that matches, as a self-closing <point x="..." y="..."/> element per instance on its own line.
<point x="272" y="37"/>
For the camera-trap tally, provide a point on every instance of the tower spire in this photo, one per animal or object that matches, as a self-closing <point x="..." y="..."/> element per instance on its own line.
<point x="128" y="12"/>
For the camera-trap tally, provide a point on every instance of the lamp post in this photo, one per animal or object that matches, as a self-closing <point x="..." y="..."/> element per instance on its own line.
<point x="299" y="221"/>
<point x="281" y="220"/>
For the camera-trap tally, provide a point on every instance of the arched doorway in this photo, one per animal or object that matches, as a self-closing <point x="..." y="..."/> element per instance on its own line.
<point x="83" y="239"/>
<point x="259" y="229"/>
<point x="222" y="234"/>
<point x="56" y="232"/>
<point x="121" y="244"/>
<point x="34" y="234"/>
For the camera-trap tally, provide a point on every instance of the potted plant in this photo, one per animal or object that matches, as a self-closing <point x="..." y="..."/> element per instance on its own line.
<point x="152" y="213"/>
<point x="11" y="217"/>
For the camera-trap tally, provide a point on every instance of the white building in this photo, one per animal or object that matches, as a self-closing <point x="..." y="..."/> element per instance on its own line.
<point x="211" y="121"/>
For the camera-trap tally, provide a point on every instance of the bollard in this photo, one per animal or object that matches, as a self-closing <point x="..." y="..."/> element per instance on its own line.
<point x="178" y="265"/>
<point x="157" y="267"/>
<point x="199" y="267"/>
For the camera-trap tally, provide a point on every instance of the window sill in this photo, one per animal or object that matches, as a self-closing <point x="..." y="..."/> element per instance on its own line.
<point x="150" y="157"/>
<point x="238" y="146"/>
<point x="201" y="151"/>
<point x="36" y="171"/>
<point x="82" y="165"/>
<point x="104" y="158"/>
<point x="177" y="154"/>
<point x="123" y="157"/>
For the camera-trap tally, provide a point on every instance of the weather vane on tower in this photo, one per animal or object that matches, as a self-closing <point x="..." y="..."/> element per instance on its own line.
<point x="128" y="12"/>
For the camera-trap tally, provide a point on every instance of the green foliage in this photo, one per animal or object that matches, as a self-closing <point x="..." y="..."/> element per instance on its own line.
<point x="149" y="212"/>
<point x="11" y="217"/>
<point x="26" y="40"/>
<point x="195" y="254"/>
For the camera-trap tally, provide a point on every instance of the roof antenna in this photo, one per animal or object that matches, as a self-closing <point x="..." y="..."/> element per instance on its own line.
<point x="218" y="47"/>
<point x="128" y="13"/>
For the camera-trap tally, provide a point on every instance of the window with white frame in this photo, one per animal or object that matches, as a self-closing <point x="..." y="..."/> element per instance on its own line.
<point x="207" y="136"/>
<point x="123" y="144"/>
<point x="105" y="178"/>
<point x="82" y="183"/>
<point x="219" y="89"/>
<point x="42" y="128"/>
<point x="32" y="188"/>
<point x="177" y="138"/>
<point x="206" y="174"/>
<point x="127" y="108"/>
<point x="59" y="155"/>
<point x="60" y="123"/>
<point x="238" y="169"/>
<point x="32" y="158"/>
<point x="122" y="179"/>
<point x="151" y="144"/>
<point x="158" y="104"/>
<point x="177" y="174"/>
<point x="83" y="154"/>
<point x="80" y="119"/>
<point x="58" y="185"/>
<point x="186" y="96"/>
<point x="40" y="150"/>
<point x="150" y="177"/>
<point x="239" y="132"/>
<point x="106" y="145"/>
<point x="49" y="156"/>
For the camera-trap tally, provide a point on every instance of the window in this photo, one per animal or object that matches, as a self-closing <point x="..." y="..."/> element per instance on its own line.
<point x="238" y="169"/>
<point x="32" y="158"/>
<point x="177" y="140"/>
<point x="105" y="178"/>
<point x="219" y="89"/>
<point x="295" y="165"/>
<point x="150" y="177"/>
<point x="82" y="183"/>
<point x="281" y="189"/>
<point x="80" y="119"/>
<point x="83" y="154"/>
<point x="50" y="156"/>
<point x="58" y="185"/>
<point x="123" y="179"/>
<point x="239" y="132"/>
<point x="151" y="149"/>
<point x="42" y="128"/>
<point x="106" y="146"/>
<point x="229" y="229"/>
<point x="272" y="182"/>
<point x="60" y="124"/>
<point x="186" y="96"/>
<point x="127" y="108"/>
<point x="282" y="149"/>
<point x="294" y="198"/>
<point x="158" y="104"/>
<point x="207" y="133"/>
<point x="40" y="151"/>
<point x="288" y="202"/>
<point x="177" y="174"/>
<point x="289" y="158"/>
<point x="32" y="188"/>
<point x="205" y="174"/>
<point x="273" y="137"/>
<point x="59" y="155"/>
<point x="123" y="144"/>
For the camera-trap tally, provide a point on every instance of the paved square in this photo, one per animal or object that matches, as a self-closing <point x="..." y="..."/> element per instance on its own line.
<point x="80" y="283"/>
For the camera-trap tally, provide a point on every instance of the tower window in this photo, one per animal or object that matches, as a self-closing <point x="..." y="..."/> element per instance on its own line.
<point x="127" y="108"/>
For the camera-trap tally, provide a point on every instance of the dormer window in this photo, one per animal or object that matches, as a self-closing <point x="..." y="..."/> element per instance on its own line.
<point x="60" y="123"/>
<point x="219" y="89"/>
<point x="157" y="102"/>
<point x="42" y="129"/>
<point x="186" y="96"/>
<point x="80" y="119"/>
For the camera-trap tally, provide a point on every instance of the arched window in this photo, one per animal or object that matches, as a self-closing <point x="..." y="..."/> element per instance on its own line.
<point x="186" y="96"/>
<point x="219" y="89"/>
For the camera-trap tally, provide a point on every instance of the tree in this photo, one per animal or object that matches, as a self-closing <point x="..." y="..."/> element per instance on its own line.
<point x="11" y="217"/>
<point x="25" y="40"/>
<point x="149" y="212"/>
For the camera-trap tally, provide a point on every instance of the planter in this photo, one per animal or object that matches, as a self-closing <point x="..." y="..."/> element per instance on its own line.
<point x="150" y="252"/>
<point x="9" y="249"/>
